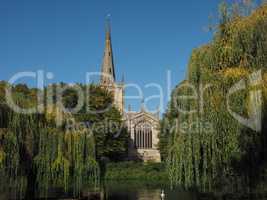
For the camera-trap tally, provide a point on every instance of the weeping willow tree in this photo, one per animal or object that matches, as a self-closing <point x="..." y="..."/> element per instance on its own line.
<point x="209" y="148"/>
<point x="36" y="154"/>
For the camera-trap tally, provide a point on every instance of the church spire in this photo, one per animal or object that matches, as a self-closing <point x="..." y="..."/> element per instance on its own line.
<point x="108" y="71"/>
<point x="143" y="105"/>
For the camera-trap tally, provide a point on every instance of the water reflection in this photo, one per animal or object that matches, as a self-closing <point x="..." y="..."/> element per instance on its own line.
<point x="130" y="190"/>
<point x="114" y="191"/>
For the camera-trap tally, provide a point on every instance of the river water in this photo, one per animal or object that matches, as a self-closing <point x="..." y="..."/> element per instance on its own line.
<point x="144" y="191"/>
<point x="131" y="190"/>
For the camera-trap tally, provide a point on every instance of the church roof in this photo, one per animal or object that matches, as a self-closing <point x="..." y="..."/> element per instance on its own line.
<point x="134" y="115"/>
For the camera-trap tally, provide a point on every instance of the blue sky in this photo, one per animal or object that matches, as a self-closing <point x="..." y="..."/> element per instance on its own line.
<point x="66" y="37"/>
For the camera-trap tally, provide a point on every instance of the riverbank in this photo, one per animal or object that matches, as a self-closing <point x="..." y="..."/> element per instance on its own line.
<point x="136" y="171"/>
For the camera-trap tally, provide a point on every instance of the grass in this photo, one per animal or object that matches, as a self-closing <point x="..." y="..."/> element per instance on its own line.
<point x="136" y="171"/>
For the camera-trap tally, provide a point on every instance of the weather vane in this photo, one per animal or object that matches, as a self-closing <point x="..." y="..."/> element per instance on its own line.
<point x="108" y="21"/>
<point x="108" y="16"/>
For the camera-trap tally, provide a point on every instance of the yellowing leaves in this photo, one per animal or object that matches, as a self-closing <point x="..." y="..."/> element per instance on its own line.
<point x="216" y="101"/>
<point x="234" y="73"/>
<point x="258" y="15"/>
<point x="55" y="114"/>
<point x="2" y="157"/>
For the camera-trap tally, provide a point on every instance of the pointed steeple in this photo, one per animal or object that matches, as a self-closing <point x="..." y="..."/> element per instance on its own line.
<point x="143" y="105"/>
<point x="108" y="71"/>
<point x="122" y="78"/>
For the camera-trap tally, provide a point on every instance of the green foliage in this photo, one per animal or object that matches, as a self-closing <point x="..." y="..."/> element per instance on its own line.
<point x="37" y="154"/>
<point x="129" y="171"/>
<point x="225" y="152"/>
<point x="110" y="135"/>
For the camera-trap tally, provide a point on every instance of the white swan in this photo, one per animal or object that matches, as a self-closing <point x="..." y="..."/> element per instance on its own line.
<point x="162" y="195"/>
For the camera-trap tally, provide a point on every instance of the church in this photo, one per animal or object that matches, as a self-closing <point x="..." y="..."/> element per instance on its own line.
<point x="142" y="126"/>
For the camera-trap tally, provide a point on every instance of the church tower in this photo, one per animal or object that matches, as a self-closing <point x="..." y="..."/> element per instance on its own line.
<point x="143" y="126"/>
<point x="107" y="71"/>
<point x="108" y="77"/>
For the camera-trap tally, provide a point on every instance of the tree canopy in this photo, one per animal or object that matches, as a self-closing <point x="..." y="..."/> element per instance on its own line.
<point x="208" y="147"/>
<point x="37" y="152"/>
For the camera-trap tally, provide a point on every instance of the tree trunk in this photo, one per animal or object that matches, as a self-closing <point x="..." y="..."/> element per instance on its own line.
<point x="31" y="185"/>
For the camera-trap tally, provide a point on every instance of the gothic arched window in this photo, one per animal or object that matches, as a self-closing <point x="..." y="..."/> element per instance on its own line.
<point x="143" y="136"/>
